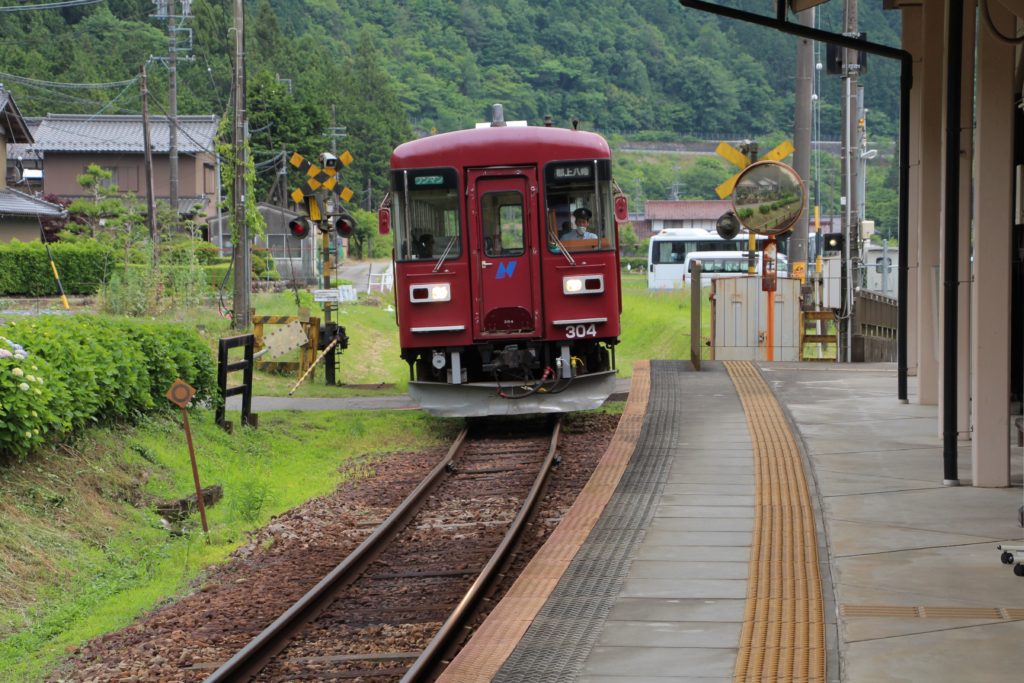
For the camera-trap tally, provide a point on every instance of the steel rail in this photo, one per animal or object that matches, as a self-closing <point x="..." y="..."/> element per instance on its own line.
<point x="438" y="647"/>
<point x="248" y="661"/>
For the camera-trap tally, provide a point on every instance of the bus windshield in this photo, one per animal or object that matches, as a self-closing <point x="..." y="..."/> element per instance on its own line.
<point x="425" y="214"/>
<point x="578" y="205"/>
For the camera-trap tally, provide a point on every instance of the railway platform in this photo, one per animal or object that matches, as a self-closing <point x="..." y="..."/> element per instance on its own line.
<point x="771" y="522"/>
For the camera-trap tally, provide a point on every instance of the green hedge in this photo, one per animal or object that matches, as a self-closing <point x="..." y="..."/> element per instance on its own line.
<point x="25" y="268"/>
<point x="85" y="266"/>
<point x="636" y="262"/>
<point x="60" y="373"/>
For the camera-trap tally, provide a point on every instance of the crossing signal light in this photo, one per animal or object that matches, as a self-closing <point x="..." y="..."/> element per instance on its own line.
<point x="300" y="227"/>
<point x="832" y="241"/>
<point x="345" y="224"/>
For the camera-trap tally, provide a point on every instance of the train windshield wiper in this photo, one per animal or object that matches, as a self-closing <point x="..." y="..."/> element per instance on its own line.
<point x="565" y="252"/>
<point x="444" y="254"/>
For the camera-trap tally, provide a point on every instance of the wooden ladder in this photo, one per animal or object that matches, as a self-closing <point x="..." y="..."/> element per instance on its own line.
<point x="819" y="343"/>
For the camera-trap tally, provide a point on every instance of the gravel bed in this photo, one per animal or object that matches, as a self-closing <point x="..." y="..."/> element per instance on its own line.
<point x="184" y="641"/>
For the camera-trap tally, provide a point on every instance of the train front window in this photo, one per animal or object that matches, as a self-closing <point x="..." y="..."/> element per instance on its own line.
<point x="578" y="205"/>
<point x="502" y="220"/>
<point x="425" y="214"/>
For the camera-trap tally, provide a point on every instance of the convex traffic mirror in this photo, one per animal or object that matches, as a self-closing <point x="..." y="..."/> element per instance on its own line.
<point x="768" y="198"/>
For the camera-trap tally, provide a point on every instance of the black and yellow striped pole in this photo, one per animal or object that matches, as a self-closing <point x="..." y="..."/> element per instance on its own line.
<point x="53" y="266"/>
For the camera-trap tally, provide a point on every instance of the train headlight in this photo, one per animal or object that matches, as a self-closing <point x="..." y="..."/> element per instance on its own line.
<point x="583" y="284"/>
<point x="424" y="294"/>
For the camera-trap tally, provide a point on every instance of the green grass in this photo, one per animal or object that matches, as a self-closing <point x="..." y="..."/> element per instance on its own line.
<point x="656" y="323"/>
<point x="80" y="561"/>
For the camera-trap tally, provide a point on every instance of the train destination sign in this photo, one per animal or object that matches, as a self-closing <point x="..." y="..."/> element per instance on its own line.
<point x="428" y="180"/>
<point x="567" y="172"/>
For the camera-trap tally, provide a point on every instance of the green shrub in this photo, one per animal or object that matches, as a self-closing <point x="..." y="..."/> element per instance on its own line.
<point x="25" y="268"/>
<point x="187" y="251"/>
<point x="60" y="373"/>
<point x="128" y="291"/>
<point x="634" y="262"/>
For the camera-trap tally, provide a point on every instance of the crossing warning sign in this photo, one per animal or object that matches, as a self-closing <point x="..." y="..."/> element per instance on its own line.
<point x="741" y="160"/>
<point x="317" y="178"/>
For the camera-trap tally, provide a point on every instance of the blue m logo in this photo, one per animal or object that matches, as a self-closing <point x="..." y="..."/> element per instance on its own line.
<point x="506" y="268"/>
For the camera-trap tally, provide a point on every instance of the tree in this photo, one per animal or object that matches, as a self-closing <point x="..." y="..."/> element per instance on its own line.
<point x="373" y="115"/>
<point x="107" y="213"/>
<point x="700" y="181"/>
<point x="280" y="121"/>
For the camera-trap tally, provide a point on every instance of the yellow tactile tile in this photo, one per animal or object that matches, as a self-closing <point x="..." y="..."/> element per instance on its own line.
<point x="783" y="634"/>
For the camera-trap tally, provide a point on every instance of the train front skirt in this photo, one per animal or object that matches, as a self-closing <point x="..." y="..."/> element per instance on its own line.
<point x="479" y="399"/>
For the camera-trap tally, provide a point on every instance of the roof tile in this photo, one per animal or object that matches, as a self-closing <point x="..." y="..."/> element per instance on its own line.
<point x="109" y="133"/>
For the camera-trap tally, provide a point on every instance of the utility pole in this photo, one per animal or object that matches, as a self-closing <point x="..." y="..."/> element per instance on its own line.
<point x="243" y="269"/>
<point x="154" y="236"/>
<point x="851" y="67"/>
<point x="802" y="155"/>
<point x="172" y="106"/>
<point x="168" y="10"/>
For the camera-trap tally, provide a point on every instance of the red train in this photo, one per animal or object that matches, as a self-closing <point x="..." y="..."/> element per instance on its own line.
<point x="504" y="304"/>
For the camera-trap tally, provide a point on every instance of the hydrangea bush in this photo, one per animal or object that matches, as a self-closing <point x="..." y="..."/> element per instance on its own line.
<point x="60" y="373"/>
<point x="26" y="400"/>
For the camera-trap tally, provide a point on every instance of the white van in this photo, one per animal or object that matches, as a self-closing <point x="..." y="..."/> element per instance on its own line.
<point x="716" y="264"/>
<point x="668" y="250"/>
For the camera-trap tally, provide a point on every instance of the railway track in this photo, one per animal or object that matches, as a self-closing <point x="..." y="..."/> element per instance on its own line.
<point x="395" y="608"/>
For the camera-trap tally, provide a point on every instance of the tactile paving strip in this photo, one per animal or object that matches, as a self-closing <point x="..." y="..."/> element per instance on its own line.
<point x="921" y="612"/>
<point x="783" y="636"/>
<point x="598" y="558"/>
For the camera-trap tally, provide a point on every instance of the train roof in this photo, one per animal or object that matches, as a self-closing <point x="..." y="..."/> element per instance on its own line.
<point x="500" y="145"/>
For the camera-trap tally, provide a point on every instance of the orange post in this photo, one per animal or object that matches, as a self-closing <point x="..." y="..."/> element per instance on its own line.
<point x="180" y="394"/>
<point x="195" y="471"/>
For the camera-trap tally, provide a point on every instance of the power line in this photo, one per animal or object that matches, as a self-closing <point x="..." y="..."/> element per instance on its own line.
<point x="69" y="86"/>
<point x="71" y="98"/>
<point x="49" y="5"/>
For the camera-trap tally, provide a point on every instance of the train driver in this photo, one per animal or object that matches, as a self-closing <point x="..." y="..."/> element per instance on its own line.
<point x="425" y="246"/>
<point x="581" y="231"/>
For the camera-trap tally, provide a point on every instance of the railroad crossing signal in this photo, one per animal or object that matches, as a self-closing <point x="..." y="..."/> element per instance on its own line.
<point x="345" y="224"/>
<point x="741" y="160"/>
<point x="317" y="178"/>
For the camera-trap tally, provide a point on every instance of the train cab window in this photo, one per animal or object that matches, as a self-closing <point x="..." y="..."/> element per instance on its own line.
<point x="502" y="217"/>
<point x="579" y="188"/>
<point x="425" y="214"/>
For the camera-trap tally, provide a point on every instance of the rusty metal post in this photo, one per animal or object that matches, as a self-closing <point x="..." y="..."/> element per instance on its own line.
<point x="695" y="311"/>
<point x="180" y="394"/>
<point x="195" y="471"/>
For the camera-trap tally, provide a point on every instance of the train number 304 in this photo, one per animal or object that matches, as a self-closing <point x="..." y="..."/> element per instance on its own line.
<point x="580" y="331"/>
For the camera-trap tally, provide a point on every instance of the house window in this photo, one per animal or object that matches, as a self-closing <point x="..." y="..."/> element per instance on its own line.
<point x="106" y="182"/>
<point x="128" y="179"/>
<point x="209" y="179"/>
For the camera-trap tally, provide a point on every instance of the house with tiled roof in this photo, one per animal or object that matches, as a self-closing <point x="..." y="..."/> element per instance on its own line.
<point x="677" y="213"/>
<point x="65" y="145"/>
<point x="21" y="214"/>
<point x="687" y="213"/>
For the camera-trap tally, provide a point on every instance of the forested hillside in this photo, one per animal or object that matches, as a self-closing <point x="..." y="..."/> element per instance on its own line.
<point x="391" y="69"/>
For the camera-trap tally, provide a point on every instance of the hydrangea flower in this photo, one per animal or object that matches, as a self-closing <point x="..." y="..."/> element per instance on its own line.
<point x="23" y="386"/>
<point x="17" y="372"/>
<point x="18" y="350"/>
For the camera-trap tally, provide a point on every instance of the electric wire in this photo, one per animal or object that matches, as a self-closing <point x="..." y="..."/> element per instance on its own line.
<point x="69" y="86"/>
<point x="49" y="5"/>
<point x="90" y="103"/>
